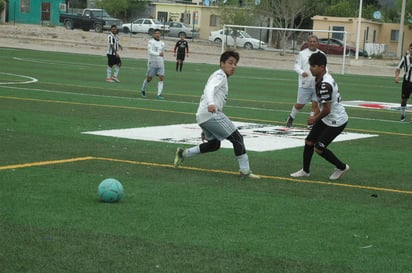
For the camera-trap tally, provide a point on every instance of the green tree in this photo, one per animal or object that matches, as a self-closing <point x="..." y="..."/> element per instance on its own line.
<point x="124" y="9"/>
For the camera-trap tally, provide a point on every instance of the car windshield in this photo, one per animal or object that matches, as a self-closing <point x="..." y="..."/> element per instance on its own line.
<point x="245" y="34"/>
<point x="157" y="22"/>
<point x="100" y="13"/>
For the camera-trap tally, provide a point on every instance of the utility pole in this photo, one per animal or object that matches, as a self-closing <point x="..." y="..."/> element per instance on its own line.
<point x="400" y="38"/>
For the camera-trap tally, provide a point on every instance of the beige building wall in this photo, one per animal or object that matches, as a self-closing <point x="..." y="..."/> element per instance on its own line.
<point x="207" y="17"/>
<point x="372" y="34"/>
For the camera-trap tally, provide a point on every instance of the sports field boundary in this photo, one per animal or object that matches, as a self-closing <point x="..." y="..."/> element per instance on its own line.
<point x="163" y="165"/>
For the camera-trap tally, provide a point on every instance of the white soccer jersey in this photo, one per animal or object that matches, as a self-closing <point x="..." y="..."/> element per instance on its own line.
<point x="302" y="65"/>
<point x="112" y="39"/>
<point x="327" y="91"/>
<point x="154" y="48"/>
<point x="216" y="92"/>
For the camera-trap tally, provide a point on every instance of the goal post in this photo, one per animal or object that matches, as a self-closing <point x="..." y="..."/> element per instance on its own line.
<point x="288" y="40"/>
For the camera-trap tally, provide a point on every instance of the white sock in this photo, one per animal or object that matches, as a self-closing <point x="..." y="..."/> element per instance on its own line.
<point x="191" y="152"/>
<point x="116" y="71"/>
<point x="144" y="85"/>
<point x="294" y="112"/>
<point x="109" y="72"/>
<point x="244" y="163"/>
<point x="403" y="110"/>
<point x="159" y="88"/>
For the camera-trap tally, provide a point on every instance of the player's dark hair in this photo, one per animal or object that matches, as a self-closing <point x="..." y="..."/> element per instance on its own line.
<point x="318" y="58"/>
<point x="156" y="30"/>
<point x="227" y="54"/>
<point x="112" y="26"/>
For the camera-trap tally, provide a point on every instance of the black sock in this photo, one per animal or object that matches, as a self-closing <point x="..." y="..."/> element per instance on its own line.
<point x="181" y="65"/>
<point x="177" y="66"/>
<point x="307" y="157"/>
<point x="330" y="157"/>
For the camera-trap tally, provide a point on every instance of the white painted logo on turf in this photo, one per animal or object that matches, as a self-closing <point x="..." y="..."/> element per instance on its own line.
<point x="258" y="137"/>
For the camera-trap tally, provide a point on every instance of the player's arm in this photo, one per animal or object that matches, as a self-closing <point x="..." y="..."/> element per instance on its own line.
<point x="187" y="49"/>
<point x="398" y="69"/>
<point x="326" y="101"/>
<point x="299" y="65"/>
<point x="209" y="92"/>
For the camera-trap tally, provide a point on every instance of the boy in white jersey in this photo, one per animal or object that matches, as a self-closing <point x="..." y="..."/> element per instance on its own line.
<point x="306" y="82"/>
<point x="113" y="58"/>
<point x="328" y="123"/>
<point x="155" y="63"/>
<point x="216" y="126"/>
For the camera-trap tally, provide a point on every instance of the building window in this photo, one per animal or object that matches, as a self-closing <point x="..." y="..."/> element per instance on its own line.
<point x="394" y="35"/>
<point x="214" y="20"/>
<point x="335" y="35"/>
<point x="25" y="6"/>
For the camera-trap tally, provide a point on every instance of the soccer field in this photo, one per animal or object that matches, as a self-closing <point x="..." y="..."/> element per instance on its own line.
<point x="64" y="130"/>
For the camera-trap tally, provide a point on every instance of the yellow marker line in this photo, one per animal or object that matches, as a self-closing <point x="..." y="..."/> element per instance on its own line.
<point x="162" y="165"/>
<point x="44" y="163"/>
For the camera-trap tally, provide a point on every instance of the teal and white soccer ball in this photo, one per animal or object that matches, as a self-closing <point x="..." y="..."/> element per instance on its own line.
<point x="110" y="190"/>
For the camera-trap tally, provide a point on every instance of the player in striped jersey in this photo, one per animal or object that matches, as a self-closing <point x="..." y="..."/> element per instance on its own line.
<point x="113" y="57"/>
<point x="406" y="64"/>
<point x="216" y="126"/>
<point x="328" y="123"/>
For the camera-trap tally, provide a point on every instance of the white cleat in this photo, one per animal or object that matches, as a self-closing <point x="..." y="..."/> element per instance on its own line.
<point x="338" y="174"/>
<point x="300" y="173"/>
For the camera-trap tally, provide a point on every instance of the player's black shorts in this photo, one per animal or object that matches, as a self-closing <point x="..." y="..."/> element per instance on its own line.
<point x="406" y="89"/>
<point x="113" y="59"/>
<point x="323" y="133"/>
<point x="180" y="57"/>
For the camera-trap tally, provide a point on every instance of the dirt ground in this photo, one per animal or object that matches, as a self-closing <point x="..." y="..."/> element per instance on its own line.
<point x="59" y="39"/>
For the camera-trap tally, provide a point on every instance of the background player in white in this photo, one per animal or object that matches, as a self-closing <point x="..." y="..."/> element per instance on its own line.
<point x="405" y="64"/>
<point x="113" y="57"/>
<point x="155" y="63"/>
<point x="216" y="126"/>
<point x="328" y="123"/>
<point x="306" y="88"/>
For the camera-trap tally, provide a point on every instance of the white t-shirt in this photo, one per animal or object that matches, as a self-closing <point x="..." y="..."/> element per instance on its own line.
<point x="327" y="91"/>
<point x="154" y="48"/>
<point x="302" y="65"/>
<point x="216" y="92"/>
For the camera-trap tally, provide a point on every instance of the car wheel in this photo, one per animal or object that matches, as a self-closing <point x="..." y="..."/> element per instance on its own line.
<point x="98" y="28"/>
<point x="150" y="32"/>
<point x="217" y="41"/>
<point x="126" y="30"/>
<point x="68" y="24"/>
<point x="248" y="46"/>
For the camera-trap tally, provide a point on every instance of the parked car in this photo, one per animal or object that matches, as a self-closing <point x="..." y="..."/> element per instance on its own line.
<point x="144" y="25"/>
<point x="97" y="19"/>
<point x="243" y="39"/>
<point x="177" y="28"/>
<point x="335" y="47"/>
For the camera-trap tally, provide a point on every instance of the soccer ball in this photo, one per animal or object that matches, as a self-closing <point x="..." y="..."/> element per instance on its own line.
<point x="110" y="190"/>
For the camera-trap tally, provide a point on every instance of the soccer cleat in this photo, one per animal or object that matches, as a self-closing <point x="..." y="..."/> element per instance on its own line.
<point x="289" y="121"/>
<point x="115" y="79"/>
<point x="143" y="93"/>
<point x="248" y="174"/>
<point x="403" y="118"/>
<point x="300" y="173"/>
<point x="178" y="157"/>
<point x="109" y="80"/>
<point x="338" y="174"/>
<point x="160" y="97"/>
